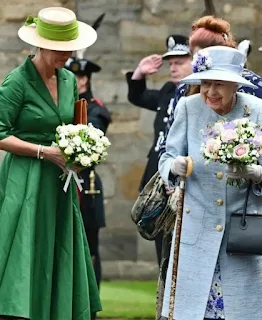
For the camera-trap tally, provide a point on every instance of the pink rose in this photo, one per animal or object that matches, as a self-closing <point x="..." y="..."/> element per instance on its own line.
<point x="228" y="135"/>
<point x="240" y="151"/>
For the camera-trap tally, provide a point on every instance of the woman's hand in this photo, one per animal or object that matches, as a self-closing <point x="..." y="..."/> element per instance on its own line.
<point x="55" y="155"/>
<point x="253" y="172"/>
<point x="179" y="166"/>
<point x="169" y="190"/>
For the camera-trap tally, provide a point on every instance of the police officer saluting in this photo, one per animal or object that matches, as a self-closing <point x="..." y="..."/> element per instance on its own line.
<point x="160" y="101"/>
<point x="91" y="199"/>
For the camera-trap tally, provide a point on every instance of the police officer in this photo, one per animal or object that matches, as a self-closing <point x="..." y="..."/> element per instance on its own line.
<point x="91" y="198"/>
<point x="160" y="101"/>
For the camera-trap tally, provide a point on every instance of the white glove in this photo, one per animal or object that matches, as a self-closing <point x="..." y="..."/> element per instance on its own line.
<point x="249" y="172"/>
<point x="179" y="166"/>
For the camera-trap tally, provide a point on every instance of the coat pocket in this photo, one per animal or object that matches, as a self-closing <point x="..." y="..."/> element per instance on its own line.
<point x="192" y="226"/>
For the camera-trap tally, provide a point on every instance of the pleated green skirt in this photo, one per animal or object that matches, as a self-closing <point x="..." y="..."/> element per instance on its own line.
<point x="46" y="271"/>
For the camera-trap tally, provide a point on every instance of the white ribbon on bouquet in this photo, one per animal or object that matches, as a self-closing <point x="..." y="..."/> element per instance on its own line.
<point x="73" y="174"/>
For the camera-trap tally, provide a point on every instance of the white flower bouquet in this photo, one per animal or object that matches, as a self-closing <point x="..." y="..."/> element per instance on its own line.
<point x="82" y="145"/>
<point x="237" y="142"/>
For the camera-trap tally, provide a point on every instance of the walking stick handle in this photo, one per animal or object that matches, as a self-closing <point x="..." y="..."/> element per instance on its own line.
<point x="190" y="166"/>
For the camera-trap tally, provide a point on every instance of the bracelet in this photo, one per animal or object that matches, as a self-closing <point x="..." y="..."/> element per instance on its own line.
<point x="38" y="151"/>
<point x="42" y="153"/>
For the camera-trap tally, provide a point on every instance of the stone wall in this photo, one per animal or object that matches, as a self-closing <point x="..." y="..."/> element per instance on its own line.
<point x="131" y="30"/>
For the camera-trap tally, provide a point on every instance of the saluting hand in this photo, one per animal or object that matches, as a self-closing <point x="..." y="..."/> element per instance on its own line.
<point x="148" y="65"/>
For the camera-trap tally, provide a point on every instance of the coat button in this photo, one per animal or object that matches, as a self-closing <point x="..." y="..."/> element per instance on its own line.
<point x="187" y="210"/>
<point x="220" y="202"/>
<point x="219" y="227"/>
<point x="220" y="175"/>
<point x="165" y="119"/>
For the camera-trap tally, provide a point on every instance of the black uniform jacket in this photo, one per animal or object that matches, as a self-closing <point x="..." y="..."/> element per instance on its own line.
<point x="92" y="206"/>
<point x="154" y="100"/>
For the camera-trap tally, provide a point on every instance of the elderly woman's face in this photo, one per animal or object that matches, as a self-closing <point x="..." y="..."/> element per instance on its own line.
<point x="218" y="95"/>
<point x="55" y="59"/>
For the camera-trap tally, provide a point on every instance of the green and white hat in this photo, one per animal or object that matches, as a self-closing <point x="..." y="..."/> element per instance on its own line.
<point x="56" y="28"/>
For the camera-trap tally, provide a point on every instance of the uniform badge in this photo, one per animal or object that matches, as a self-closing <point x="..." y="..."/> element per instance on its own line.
<point x="75" y="67"/>
<point x="171" y="43"/>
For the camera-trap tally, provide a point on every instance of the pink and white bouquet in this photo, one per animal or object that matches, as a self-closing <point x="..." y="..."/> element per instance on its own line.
<point x="83" y="146"/>
<point x="237" y="142"/>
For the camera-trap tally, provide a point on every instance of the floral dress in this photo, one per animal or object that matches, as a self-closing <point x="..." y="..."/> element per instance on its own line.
<point x="215" y="304"/>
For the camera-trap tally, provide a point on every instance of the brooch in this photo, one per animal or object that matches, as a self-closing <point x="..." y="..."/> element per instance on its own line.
<point x="246" y="111"/>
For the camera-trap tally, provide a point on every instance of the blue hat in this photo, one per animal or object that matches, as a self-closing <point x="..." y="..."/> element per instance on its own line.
<point x="218" y="63"/>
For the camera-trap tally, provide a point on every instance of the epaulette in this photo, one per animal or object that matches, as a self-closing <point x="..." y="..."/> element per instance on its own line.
<point x="98" y="101"/>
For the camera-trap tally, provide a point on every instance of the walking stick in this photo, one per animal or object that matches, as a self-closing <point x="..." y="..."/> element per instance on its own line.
<point x="177" y="235"/>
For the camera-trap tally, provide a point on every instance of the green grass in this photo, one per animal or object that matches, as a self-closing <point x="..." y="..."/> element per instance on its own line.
<point x="128" y="300"/>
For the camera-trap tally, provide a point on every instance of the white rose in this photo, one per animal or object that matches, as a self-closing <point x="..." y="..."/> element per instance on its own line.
<point x="64" y="131"/>
<point x="63" y="143"/>
<point x="241" y="122"/>
<point x="212" y="148"/>
<point x="105" y="141"/>
<point x="228" y="135"/>
<point x="99" y="144"/>
<point x="99" y="149"/>
<point x="84" y="146"/>
<point x="99" y="132"/>
<point x="93" y="135"/>
<point x="85" y="161"/>
<point x="69" y="150"/>
<point x="218" y="126"/>
<point x="94" y="157"/>
<point x="77" y="141"/>
<point x="72" y="129"/>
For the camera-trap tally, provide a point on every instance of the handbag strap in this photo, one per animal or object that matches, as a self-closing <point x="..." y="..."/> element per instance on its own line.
<point x="243" y="218"/>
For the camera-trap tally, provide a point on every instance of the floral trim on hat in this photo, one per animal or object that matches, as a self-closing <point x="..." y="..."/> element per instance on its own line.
<point x="178" y="47"/>
<point x="201" y="61"/>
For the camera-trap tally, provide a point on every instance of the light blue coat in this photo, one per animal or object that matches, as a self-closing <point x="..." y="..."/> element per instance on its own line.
<point x="201" y="240"/>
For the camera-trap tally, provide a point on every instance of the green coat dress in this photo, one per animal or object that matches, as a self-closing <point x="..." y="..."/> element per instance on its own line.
<point x="46" y="271"/>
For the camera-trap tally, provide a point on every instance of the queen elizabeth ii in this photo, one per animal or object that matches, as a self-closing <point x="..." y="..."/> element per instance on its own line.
<point x="212" y="284"/>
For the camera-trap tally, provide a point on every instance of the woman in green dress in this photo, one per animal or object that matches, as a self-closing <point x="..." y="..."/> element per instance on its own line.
<point x="46" y="271"/>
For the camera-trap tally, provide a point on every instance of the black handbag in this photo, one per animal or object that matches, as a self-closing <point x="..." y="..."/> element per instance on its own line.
<point x="245" y="232"/>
